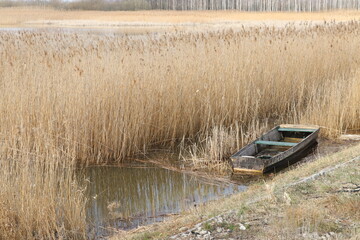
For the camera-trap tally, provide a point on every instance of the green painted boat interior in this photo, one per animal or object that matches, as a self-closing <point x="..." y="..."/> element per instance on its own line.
<point x="275" y="143"/>
<point x="279" y="141"/>
<point x="296" y="130"/>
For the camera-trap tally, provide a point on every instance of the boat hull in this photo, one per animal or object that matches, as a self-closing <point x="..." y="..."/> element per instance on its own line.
<point x="292" y="159"/>
<point x="247" y="160"/>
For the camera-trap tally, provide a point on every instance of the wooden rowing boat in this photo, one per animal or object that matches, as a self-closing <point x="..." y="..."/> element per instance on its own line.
<point x="276" y="149"/>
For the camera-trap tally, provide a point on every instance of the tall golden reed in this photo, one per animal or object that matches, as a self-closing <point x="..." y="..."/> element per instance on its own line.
<point x="109" y="97"/>
<point x="40" y="198"/>
<point x="80" y="98"/>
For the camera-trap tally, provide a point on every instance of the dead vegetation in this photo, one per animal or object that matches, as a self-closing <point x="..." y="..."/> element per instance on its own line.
<point x="80" y="98"/>
<point x="109" y="97"/>
<point x="40" y="197"/>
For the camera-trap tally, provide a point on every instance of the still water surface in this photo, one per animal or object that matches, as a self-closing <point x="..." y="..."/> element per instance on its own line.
<point x="126" y="197"/>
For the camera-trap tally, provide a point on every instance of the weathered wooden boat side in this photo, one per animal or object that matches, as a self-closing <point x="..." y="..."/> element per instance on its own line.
<point x="283" y="145"/>
<point x="245" y="161"/>
<point x="286" y="156"/>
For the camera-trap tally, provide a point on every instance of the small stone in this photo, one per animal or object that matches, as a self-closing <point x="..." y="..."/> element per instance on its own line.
<point x="332" y="233"/>
<point x="313" y="235"/>
<point x="219" y="220"/>
<point x="207" y="236"/>
<point x="219" y="229"/>
<point x="241" y="227"/>
<point x="221" y="235"/>
<point x="183" y="229"/>
<point x="203" y="232"/>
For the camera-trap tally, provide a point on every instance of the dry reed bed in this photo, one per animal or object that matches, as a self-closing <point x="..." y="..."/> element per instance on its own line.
<point x="106" y="98"/>
<point x="68" y="98"/>
<point x="40" y="199"/>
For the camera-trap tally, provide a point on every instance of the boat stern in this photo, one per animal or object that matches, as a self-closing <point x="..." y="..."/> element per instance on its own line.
<point x="248" y="164"/>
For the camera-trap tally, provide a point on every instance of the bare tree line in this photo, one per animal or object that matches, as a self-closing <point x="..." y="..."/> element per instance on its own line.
<point x="183" y="5"/>
<point x="255" y="5"/>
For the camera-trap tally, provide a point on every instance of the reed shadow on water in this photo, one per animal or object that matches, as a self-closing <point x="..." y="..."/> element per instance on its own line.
<point x="127" y="197"/>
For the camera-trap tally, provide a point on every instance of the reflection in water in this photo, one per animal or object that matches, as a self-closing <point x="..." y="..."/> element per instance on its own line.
<point x="126" y="197"/>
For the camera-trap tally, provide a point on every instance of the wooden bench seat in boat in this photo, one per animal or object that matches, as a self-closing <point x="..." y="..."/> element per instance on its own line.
<point x="281" y="129"/>
<point x="275" y="143"/>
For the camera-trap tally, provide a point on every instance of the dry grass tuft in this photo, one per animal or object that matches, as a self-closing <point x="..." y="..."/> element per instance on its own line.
<point x="321" y="216"/>
<point x="212" y="151"/>
<point x="345" y="206"/>
<point x="303" y="218"/>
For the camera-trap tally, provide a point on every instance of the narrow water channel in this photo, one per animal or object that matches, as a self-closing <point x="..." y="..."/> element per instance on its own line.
<point x="127" y="197"/>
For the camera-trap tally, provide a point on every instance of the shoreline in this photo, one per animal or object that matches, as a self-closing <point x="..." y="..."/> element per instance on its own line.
<point x="226" y="218"/>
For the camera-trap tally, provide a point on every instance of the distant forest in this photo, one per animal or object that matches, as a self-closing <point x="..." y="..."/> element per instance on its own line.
<point x="241" y="5"/>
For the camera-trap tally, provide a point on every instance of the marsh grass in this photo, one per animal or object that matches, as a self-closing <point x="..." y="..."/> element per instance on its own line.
<point x="80" y="98"/>
<point x="212" y="151"/>
<point x="109" y="97"/>
<point x="40" y="199"/>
